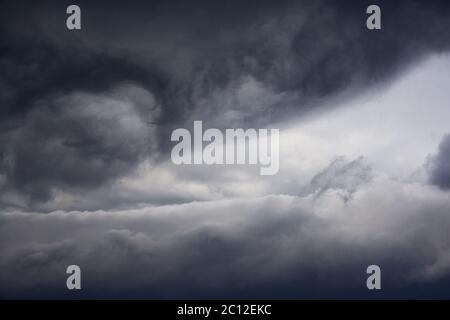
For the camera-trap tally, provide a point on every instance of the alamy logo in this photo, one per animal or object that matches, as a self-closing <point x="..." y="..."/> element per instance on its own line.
<point x="237" y="146"/>
<point x="73" y="21"/>
<point x="374" y="280"/>
<point x="374" y="20"/>
<point x="74" y="280"/>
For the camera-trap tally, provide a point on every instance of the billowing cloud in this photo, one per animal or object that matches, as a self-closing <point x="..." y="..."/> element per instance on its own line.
<point x="230" y="64"/>
<point x="342" y="175"/>
<point x="79" y="141"/>
<point x="290" y="246"/>
<point x="439" y="165"/>
<point x="86" y="177"/>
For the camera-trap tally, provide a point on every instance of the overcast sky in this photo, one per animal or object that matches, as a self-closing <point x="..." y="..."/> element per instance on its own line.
<point x="86" y="176"/>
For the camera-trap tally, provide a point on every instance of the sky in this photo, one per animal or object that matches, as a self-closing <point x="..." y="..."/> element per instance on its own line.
<point x="86" y="176"/>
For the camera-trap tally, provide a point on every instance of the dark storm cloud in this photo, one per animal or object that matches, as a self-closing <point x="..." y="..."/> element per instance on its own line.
<point x="228" y="63"/>
<point x="439" y="165"/>
<point x="78" y="141"/>
<point x="32" y="72"/>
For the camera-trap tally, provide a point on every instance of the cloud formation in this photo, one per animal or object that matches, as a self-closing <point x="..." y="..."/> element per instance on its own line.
<point x="273" y="246"/>
<point x="439" y="165"/>
<point x="79" y="141"/>
<point x="85" y="176"/>
<point x="230" y="64"/>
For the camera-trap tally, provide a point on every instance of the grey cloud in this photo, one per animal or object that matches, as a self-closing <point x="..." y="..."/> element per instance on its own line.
<point x="82" y="111"/>
<point x="79" y="141"/>
<point x="275" y="246"/>
<point x="229" y="64"/>
<point x="439" y="165"/>
<point x="342" y="175"/>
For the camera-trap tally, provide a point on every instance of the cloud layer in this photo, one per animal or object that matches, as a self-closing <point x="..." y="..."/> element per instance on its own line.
<point x="86" y="177"/>
<point x="273" y="246"/>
